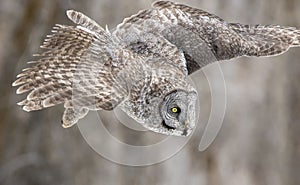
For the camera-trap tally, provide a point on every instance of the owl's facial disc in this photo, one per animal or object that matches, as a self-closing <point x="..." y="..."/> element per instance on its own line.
<point x="178" y="112"/>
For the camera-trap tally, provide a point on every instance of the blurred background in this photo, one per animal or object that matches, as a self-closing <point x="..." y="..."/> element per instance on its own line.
<point x="259" y="142"/>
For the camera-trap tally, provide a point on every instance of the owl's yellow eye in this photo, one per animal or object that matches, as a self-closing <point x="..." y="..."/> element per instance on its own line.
<point x="174" y="109"/>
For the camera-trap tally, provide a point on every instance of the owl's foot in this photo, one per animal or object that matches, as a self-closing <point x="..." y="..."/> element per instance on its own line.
<point x="71" y="116"/>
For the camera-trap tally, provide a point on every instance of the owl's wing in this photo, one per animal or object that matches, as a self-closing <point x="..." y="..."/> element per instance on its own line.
<point x="75" y="68"/>
<point x="205" y="38"/>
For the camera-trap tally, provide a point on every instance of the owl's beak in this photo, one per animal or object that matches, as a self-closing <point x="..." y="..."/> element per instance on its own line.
<point x="185" y="132"/>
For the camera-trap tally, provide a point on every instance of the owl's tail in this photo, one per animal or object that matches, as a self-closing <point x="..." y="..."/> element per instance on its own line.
<point x="267" y="40"/>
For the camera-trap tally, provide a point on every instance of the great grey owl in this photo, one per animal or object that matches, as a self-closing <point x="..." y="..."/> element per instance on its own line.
<point x="142" y="65"/>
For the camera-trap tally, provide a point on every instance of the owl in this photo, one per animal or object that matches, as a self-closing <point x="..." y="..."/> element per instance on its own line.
<point x="142" y="65"/>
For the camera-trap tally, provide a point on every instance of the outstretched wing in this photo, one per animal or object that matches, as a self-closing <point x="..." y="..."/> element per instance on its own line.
<point x="267" y="40"/>
<point x="205" y="38"/>
<point x="75" y="68"/>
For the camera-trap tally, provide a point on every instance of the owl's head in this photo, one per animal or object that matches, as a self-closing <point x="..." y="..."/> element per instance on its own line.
<point x="173" y="113"/>
<point x="166" y="103"/>
<point x="178" y="112"/>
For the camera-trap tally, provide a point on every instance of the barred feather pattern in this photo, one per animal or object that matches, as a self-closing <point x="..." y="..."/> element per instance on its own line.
<point x="75" y="69"/>
<point x="267" y="40"/>
<point x="188" y="28"/>
<point x="144" y="60"/>
<point x="50" y="79"/>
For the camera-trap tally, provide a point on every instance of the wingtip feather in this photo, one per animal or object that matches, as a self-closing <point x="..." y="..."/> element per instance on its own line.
<point x="22" y="89"/>
<point x="25" y="106"/>
<point x="15" y="83"/>
<point x="70" y="14"/>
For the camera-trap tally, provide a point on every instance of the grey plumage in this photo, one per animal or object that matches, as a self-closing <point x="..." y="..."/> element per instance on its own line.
<point x="142" y="65"/>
